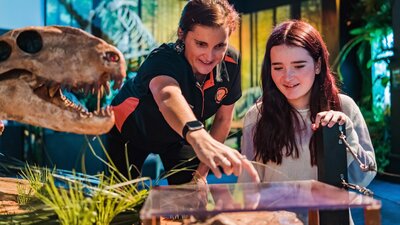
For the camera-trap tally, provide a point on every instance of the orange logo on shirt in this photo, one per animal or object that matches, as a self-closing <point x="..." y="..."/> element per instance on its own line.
<point x="222" y="92"/>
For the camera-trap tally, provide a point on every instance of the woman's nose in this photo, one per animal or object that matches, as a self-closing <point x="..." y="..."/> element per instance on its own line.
<point x="209" y="55"/>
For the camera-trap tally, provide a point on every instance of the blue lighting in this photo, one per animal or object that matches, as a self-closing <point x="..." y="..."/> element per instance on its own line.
<point x="381" y="51"/>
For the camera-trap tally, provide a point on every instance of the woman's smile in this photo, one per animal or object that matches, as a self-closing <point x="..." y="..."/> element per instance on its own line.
<point x="205" y="47"/>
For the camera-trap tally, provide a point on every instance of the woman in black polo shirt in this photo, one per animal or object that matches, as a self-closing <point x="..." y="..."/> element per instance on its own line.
<point x="177" y="88"/>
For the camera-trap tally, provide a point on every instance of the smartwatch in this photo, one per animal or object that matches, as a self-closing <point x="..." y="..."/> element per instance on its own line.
<point x="191" y="126"/>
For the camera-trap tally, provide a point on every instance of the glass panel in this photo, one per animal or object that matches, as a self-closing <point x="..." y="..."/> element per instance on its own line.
<point x="256" y="28"/>
<point x="170" y="201"/>
<point x="246" y="51"/>
<point x="234" y="39"/>
<point x="264" y="25"/>
<point x="282" y="13"/>
<point x="311" y="11"/>
<point x="166" y="20"/>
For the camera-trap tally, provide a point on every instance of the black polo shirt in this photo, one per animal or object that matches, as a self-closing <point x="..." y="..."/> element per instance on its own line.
<point x="136" y="112"/>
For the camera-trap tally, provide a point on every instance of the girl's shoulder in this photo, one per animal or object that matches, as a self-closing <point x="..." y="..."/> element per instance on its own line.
<point x="346" y="100"/>
<point x="253" y="114"/>
<point x="349" y="106"/>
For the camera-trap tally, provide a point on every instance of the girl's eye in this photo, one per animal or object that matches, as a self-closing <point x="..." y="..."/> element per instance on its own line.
<point x="277" y="68"/>
<point x="299" y="66"/>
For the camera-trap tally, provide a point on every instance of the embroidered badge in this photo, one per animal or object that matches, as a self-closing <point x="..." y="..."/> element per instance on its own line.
<point x="222" y="92"/>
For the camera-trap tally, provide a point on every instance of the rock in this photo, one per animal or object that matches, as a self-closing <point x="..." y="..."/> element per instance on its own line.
<point x="250" y="218"/>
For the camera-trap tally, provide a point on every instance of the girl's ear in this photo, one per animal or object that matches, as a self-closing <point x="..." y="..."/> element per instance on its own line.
<point x="318" y="66"/>
<point x="180" y="33"/>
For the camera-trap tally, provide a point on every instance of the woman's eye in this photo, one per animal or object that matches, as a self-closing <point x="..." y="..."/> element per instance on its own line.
<point x="299" y="66"/>
<point x="277" y="68"/>
<point x="200" y="44"/>
<point x="221" y="46"/>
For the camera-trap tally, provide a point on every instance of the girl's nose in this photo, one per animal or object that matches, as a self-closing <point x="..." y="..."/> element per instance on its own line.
<point x="289" y="74"/>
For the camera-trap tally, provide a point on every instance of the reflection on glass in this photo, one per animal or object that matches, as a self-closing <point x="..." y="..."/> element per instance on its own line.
<point x="170" y="201"/>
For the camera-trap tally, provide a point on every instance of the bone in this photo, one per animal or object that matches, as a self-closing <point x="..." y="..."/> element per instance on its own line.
<point x="108" y="110"/>
<point x="39" y="83"/>
<point x="83" y="115"/>
<point x="102" y="91"/>
<point x="107" y="87"/>
<point x="98" y="100"/>
<point x="53" y="90"/>
<point x="68" y="103"/>
<point x="62" y="96"/>
<point x="44" y="77"/>
<point x="117" y="84"/>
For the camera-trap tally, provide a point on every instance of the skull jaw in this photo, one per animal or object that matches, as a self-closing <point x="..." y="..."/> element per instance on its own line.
<point x="19" y="103"/>
<point x="89" y="126"/>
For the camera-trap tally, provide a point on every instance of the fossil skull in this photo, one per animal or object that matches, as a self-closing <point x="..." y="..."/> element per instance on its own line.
<point x="38" y="65"/>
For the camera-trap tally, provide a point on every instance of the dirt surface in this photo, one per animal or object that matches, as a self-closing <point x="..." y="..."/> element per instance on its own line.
<point x="8" y="195"/>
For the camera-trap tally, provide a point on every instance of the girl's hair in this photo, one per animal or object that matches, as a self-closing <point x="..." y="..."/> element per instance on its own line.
<point x="275" y="131"/>
<point x="212" y="13"/>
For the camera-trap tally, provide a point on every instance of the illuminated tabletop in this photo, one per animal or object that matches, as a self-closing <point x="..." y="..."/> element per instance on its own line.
<point x="205" y="201"/>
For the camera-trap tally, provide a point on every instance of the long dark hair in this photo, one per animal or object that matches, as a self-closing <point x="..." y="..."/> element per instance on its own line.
<point x="276" y="128"/>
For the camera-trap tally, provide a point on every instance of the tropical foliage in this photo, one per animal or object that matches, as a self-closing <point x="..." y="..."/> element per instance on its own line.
<point x="64" y="197"/>
<point x="370" y="42"/>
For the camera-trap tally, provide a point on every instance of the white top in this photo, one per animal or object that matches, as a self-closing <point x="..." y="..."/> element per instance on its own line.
<point x="300" y="168"/>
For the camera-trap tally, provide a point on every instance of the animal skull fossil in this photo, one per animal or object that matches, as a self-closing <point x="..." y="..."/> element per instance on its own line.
<point x="39" y="64"/>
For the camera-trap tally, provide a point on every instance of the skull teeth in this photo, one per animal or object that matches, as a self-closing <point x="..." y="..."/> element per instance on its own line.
<point x="100" y="112"/>
<point x="107" y="87"/>
<point x="83" y="113"/>
<point x="53" y="90"/>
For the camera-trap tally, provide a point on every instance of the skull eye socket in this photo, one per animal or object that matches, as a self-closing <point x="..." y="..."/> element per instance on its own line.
<point x="5" y="50"/>
<point x="112" y="57"/>
<point x="30" y="41"/>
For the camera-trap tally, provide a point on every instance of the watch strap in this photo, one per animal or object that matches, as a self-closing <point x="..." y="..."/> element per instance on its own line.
<point x="191" y="126"/>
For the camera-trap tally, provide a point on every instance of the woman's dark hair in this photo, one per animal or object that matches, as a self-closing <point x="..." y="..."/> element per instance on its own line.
<point x="212" y="13"/>
<point x="275" y="131"/>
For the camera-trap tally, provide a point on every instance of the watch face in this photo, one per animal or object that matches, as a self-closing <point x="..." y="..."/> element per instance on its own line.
<point x="194" y="125"/>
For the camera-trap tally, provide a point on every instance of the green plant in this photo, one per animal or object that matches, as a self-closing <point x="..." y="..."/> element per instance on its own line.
<point x="112" y="198"/>
<point x="70" y="204"/>
<point x="79" y="202"/>
<point x="24" y="194"/>
<point x="380" y="137"/>
<point x="75" y="198"/>
<point x="55" y="196"/>
<point x="375" y="19"/>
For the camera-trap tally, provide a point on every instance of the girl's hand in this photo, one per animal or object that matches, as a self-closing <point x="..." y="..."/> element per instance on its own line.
<point x="329" y="118"/>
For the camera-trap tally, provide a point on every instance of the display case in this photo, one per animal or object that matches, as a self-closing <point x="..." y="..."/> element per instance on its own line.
<point x="209" y="200"/>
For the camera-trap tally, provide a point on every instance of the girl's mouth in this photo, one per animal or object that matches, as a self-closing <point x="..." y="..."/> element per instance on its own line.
<point x="291" y="85"/>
